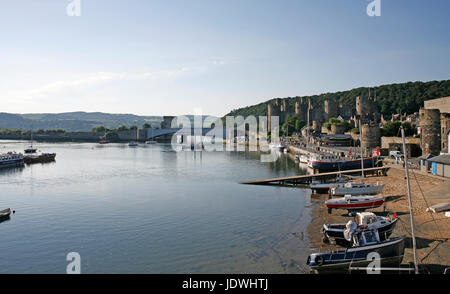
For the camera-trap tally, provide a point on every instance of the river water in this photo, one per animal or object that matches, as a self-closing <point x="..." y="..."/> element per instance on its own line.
<point x="149" y="209"/>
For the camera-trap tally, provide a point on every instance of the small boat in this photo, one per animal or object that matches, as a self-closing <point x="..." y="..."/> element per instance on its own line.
<point x="324" y="187"/>
<point x="5" y="213"/>
<point x="104" y="142"/>
<point x="356" y="189"/>
<point x="150" y="142"/>
<point x="366" y="242"/>
<point x="354" y="203"/>
<point x="336" y="233"/>
<point x="133" y="144"/>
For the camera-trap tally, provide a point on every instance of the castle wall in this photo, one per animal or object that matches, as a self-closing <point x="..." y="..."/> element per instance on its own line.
<point x="370" y="136"/>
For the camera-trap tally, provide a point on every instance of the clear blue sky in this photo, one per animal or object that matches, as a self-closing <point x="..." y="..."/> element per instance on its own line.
<point x="176" y="56"/>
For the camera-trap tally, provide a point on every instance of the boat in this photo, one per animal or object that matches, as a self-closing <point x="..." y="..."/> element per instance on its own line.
<point x="11" y="159"/>
<point x="325" y="187"/>
<point x="30" y="149"/>
<point x="335" y="233"/>
<point x="328" y="163"/>
<point x="134" y="143"/>
<point x="39" y="158"/>
<point x="5" y="213"/>
<point x="354" y="203"/>
<point x="150" y="142"/>
<point x="365" y="242"/>
<point x="104" y="142"/>
<point x="279" y="147"/>
<point x="356" y="189"/>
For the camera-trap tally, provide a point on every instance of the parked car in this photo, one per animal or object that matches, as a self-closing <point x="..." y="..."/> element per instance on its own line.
<point x="396" y="155"/>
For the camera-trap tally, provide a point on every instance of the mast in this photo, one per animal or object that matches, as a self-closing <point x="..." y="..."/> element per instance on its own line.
<point x="360" y="145"/>
<point x="410" y="201"/>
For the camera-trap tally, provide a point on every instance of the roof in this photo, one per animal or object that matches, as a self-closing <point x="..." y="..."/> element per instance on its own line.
<point x="425" y="156"/>
<point x="444" y="159"/>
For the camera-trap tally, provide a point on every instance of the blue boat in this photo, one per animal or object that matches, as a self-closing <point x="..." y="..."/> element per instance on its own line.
<point x="367" y="245"/>
<point x="11" y="159"/>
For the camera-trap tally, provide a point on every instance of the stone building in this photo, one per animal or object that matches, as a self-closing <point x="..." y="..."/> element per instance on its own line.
<point x="435" y="125"/>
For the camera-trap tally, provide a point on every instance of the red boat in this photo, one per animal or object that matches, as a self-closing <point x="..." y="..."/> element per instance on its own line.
<point x="354" y="203"/>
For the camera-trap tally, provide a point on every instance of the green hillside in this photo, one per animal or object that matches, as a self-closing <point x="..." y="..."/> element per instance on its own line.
<point x="393" y="98"/>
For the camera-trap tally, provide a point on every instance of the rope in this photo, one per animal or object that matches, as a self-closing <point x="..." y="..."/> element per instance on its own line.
<point x="426" y="203"/>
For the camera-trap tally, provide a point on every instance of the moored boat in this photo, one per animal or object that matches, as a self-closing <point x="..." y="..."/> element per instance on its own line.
<point x="328" y="163"/>
<point x="325" y="187"/>
<point x="336" y="233"/>
<point x="356" y="189"/>
<point x="39" y="158"/>
<point x="11" y="159"/>
<point x="5" y="213"/>
<point x="389" y="253"/>
<point x="354" y="203"/>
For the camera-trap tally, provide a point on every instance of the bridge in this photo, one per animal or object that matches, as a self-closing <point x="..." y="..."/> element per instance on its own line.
<point x="154" y="133"/>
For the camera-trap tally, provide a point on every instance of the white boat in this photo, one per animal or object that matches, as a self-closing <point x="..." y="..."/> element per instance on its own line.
<point x="356" y="189"/>
<point x="336" y="233"/>
<point x="354" y="203"/>
<point x="11" y="159"/>
<point x="150" y="142"/>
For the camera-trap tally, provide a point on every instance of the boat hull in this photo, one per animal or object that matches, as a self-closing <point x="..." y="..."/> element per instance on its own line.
<point x="355" y="203"/>
<point x="329" y="166"/>
<point x="372" y="190"/>
<point x="390" y="252"/>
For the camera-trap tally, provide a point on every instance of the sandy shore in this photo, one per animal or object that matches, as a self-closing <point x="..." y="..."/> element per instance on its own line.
<point x="431" y="235"/>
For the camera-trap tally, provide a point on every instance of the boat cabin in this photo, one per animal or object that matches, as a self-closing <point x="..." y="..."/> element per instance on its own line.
<point x="368" y="237"/>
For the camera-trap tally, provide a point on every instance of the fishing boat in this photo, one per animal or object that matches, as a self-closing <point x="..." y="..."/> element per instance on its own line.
<point x="39" y="158"/>
<point x="354" y="203"/>
<point x="30" y="149"/>
<point x="335" y="233"/>
<point x="11" y="159"/>
<point x="356" y="189"/>
<point x="365" y="242"/>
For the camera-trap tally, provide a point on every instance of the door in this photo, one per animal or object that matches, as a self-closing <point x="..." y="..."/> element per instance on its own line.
<point x="434" y="168"/>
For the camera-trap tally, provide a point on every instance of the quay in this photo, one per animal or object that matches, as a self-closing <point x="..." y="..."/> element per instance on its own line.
<point x="307" y="179"/>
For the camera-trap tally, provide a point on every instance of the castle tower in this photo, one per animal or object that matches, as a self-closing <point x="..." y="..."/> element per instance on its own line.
<point x="430" y="124"/>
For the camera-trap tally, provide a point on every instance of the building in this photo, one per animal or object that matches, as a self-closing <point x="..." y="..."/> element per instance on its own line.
<point x="435" y="125"/>
<point x="440" y="165"/>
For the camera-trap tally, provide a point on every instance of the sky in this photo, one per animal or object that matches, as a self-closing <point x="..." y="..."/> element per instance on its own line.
<point x="175" y="57"/>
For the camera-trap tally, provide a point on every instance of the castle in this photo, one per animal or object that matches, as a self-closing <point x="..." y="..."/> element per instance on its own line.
<point x="364" y="110"/>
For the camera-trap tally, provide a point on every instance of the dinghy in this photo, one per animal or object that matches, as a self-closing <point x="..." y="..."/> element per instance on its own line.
<point x="5" y="213"/>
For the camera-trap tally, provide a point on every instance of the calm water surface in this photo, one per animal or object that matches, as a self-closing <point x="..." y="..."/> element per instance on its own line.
<point x="151" y="210"/>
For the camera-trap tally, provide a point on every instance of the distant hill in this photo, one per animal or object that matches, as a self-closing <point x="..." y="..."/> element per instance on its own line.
<point x="74" y="121"/>
<point x="392" y="98"/>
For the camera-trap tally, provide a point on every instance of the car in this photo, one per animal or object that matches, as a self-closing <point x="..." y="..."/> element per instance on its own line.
<point x="396" y="155"/>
